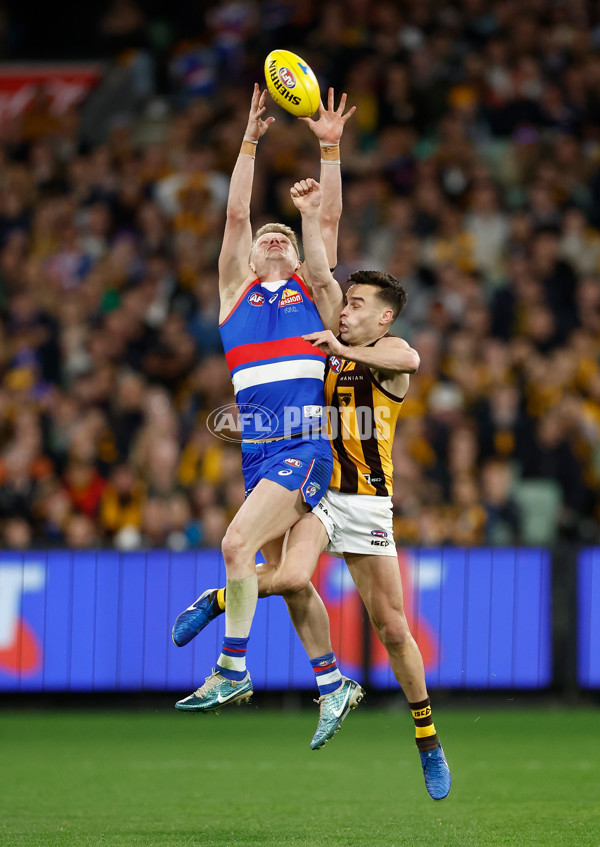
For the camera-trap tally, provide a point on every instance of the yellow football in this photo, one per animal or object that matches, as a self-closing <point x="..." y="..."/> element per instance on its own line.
<point x="291" y="83"/>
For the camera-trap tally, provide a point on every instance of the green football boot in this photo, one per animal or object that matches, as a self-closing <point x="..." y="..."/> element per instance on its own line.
<point x="217" y="691"/>
<point x="333" y="709"/>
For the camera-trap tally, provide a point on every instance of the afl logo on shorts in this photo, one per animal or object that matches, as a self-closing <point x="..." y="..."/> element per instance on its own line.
<point x="256" y="298"/>
<point x="380" y="533"/>
<point x="295" y="463"/>
<point x="335" y="364"/>
<point x="287" y="77"/>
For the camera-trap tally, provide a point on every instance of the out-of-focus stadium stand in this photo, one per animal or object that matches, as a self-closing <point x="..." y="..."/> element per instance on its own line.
<point x="471" y="172"/>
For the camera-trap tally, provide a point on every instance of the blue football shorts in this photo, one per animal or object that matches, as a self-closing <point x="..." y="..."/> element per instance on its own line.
<point x="295" y="463"/>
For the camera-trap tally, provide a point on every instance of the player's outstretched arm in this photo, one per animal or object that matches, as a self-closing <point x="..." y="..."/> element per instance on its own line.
<point x="390" y="356"/>
<point x="306" y="196"/>
<point x="328" y="128"/>
<point x="237" y="238"/>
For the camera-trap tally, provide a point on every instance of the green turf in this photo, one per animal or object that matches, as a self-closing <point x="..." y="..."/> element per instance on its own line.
<point x="248" y="777"/>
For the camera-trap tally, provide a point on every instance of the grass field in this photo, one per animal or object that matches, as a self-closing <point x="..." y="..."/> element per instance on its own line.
<point x="248" y="777"/>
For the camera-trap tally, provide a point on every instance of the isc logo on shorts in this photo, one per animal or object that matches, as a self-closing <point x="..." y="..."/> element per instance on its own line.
<point x="379" y="543"/>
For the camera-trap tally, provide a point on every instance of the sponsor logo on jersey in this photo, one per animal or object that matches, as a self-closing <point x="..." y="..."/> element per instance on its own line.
<point x="335" y="364"/>
<point x="289" y="297"/>
<point x="380" y="533"/>
<point x="256" y="298"/>
<point x="312" y="411"/>
<point x="373" y="480"/>
<point x="295" y="463"/>
<point x="287" y="77"/>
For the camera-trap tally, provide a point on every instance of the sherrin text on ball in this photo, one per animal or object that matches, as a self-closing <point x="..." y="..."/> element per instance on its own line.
<point x="292" y="83"/>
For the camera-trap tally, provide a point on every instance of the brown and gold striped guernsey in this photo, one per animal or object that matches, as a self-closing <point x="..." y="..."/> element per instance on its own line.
<point x="362" y="424"/>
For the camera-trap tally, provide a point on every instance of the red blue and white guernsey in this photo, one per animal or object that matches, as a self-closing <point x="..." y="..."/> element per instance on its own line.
<point x="271" y="367"/>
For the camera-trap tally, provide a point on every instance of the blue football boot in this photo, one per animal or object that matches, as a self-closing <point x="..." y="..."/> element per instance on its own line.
<point x="193" y="620"/>
<point x="333" y="709"/>
<point x="436" y="773"/>
<point x="217" y="691"/>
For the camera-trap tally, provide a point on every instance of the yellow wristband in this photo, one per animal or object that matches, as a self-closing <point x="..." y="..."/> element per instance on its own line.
<point x="248" y="148"/>
<point x="330" y="153"/>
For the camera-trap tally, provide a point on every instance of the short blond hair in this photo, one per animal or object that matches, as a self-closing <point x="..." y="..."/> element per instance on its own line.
<point x="283" y="229"/>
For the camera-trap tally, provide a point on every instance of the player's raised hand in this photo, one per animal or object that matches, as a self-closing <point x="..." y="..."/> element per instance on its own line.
<point x="329" y="126"/>
<point x="256" y="127"/>
<point x="306" y="194"/>
<point x="326" y="341"/>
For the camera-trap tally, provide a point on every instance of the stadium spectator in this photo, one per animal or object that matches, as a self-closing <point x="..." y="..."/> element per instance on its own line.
<point x="471" y="173"/>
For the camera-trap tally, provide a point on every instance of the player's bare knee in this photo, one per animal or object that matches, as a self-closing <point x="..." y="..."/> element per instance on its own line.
<point x="393" y="632"/>
<point x="235" y="546"/>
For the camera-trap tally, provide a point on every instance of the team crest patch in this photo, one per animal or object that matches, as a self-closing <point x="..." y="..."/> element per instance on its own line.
<point x="295" y="463"/>
<point x="344" y="398"/>
<point x="289" y="297"/>
<point x="311" y="489"/>
<point x="335" y="364"/>
<point x="256" y="298"/>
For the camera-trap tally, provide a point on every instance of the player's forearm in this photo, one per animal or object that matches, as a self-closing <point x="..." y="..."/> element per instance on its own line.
<point x="390" y="359"/>
<point x="240" y="186"/>
<point x="315" y="254"/>
<point x="331" y="204"/>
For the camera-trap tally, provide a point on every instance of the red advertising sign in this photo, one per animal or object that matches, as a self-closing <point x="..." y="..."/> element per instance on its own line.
<point x="65" y="84"/>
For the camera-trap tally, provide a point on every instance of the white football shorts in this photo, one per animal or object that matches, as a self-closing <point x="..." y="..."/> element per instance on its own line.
<point x="357" y="523"/>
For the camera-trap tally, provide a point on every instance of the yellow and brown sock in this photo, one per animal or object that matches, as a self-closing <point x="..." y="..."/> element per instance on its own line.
<point x="426" y="736"/>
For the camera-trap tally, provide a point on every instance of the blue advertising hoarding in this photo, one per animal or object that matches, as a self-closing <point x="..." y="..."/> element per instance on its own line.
<point x="588" y="618"/>
<point x="481" y="617"/>
<point x="101" y="621"/>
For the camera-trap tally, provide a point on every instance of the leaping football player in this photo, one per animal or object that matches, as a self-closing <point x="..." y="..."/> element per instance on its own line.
<point x="368" y="372"/>
<point x="267" y="302"/>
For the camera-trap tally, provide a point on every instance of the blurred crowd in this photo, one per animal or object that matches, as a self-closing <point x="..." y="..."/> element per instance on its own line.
<point x="471" y="172"/>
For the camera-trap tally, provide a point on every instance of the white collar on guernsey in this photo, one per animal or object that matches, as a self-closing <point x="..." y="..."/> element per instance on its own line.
<point x="273" y="286"/>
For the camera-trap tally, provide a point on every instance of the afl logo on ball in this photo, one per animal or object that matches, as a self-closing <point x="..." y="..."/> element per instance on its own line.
<point x="256" y="298"/>
<point x="335" y="364"/>
<point x="287" y="77"/>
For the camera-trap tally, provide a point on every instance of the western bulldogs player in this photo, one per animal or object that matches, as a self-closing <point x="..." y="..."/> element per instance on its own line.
<point x="268" y="301"/>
